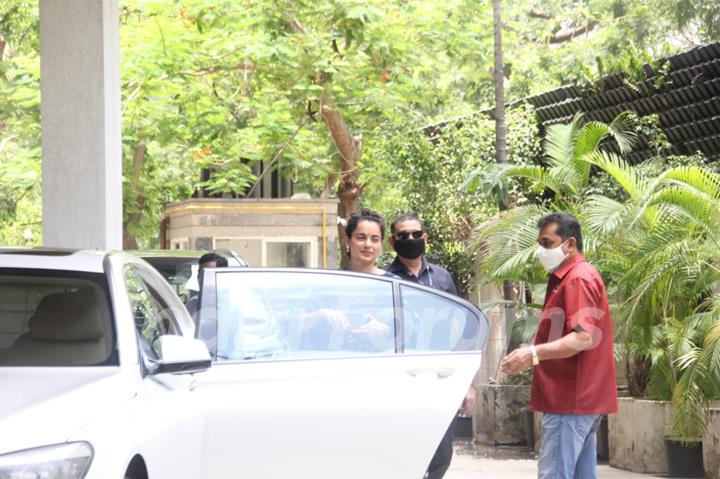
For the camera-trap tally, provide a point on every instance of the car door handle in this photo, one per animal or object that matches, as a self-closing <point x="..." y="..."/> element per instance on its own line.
<point x="439" y="372"/>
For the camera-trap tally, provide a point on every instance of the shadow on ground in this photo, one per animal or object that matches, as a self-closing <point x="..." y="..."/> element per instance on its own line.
<point x="468" y="447"/>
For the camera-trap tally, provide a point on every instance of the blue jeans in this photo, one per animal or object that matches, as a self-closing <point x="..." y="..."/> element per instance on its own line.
<point x="569" y="446"/>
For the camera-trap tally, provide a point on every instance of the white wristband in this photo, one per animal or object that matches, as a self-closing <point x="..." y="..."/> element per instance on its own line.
<point x="535" y="357"/>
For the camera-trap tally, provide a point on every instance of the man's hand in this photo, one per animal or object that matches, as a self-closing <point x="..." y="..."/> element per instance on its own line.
<point x="517" y="361"/>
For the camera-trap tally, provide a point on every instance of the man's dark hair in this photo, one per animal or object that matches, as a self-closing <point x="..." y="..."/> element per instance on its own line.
<point x="366" y="214"/>
<point x="405" y="217"/>
<point x="567" y="227"/>
<point x="220" y="261"/>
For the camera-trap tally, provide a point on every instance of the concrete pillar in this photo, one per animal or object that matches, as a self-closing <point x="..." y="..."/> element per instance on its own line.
<point x="81" y="148"/>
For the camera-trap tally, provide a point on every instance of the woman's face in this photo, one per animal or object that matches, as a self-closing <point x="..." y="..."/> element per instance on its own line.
<point x="365" y="243"/>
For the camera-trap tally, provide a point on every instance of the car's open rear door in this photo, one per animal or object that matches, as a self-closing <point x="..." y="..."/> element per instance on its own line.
<point x="331" y="375"/>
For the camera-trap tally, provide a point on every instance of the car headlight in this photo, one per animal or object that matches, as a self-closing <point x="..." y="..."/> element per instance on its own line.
<point x="61" y="461"/>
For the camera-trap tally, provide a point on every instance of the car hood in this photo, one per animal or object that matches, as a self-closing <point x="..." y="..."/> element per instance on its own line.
<point x="41" y="406"/>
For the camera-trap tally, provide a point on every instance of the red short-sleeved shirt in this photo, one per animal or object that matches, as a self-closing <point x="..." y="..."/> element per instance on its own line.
<point x="584" y="383"/>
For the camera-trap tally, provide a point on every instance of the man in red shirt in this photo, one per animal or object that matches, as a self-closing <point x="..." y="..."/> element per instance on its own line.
<point x="574" y="378"/>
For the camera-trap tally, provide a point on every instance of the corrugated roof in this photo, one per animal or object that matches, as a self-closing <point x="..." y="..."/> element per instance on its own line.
<point x="686" y="99"/>
<point x="687" y="102"/>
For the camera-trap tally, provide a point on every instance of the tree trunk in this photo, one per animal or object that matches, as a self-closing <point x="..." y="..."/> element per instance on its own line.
<point x="349" y="148"/>
<point x="500" y="142"/>
<point x="129" y="240"/>
<point x="638" y="375"/>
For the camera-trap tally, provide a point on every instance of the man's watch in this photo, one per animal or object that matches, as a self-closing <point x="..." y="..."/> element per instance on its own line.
<point x="535" y="358"/>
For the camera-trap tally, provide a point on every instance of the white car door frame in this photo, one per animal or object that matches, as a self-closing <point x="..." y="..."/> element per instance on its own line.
<point x="159" y="422"/>
<point x="379" y="416"/>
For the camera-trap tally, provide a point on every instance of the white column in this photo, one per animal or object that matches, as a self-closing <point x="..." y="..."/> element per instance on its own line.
<point x="81" y="148"/>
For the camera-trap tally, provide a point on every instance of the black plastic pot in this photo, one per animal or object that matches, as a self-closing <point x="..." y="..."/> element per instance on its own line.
<point x="530" y="429"/>
<point x="462" y="427"/>
<point x="603" y="448"/>
<point x="684" y="460"/>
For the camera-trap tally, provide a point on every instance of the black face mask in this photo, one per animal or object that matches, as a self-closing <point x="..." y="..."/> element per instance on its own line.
<point x="410" y="248"/>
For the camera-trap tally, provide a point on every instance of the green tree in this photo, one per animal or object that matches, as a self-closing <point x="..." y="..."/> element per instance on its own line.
<point x="19" y="123"/>
<point x="434" y="164"/>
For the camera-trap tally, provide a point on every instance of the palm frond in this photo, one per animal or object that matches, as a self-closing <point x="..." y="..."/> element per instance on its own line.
<point x="624" y="174"/>
<point x="700" y="179"/>
<point x="568" y="177"/>
<point x="560" y="140"/>
<point x="603" y="216"/>
<point x="493" y="178"/>
<point x="622" y="130"/>
<point x="589" y="137"/>
<point x="506" y="242"/>
<point x="696" y="208"/>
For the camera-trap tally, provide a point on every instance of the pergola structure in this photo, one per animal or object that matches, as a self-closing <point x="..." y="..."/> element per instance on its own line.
<point x="80" y="110"/>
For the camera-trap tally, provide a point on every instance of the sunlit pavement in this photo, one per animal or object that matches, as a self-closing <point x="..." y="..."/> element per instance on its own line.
<point x="471" y="462"/>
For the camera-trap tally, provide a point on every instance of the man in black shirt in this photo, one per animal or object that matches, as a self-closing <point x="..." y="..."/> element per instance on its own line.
<point x="408" y="239"/>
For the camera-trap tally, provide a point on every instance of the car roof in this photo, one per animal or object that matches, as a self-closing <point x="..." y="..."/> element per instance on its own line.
<point x="52" y="258"/>
<point x="170" y="257"/>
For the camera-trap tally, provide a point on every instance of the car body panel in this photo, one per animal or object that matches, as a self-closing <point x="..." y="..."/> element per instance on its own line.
<point x="378" y="415"/>
<point x="122" y="411"/>
<point x="68" y="260"/>
<point x="48" y="405"/>
<point x="350" y="418"/>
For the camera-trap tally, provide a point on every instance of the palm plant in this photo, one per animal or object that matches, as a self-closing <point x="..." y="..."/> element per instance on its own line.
<point x="672" y="312"/>
<point x="660" y="250"/>
<point x="570" y="151"/>
<point x="657" y="244"/>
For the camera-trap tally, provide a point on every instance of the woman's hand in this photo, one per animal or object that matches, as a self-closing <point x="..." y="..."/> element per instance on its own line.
<point x="373" y="327"/>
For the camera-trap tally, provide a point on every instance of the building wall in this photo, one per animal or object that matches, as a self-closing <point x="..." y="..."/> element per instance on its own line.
<point x="253" y="227"/>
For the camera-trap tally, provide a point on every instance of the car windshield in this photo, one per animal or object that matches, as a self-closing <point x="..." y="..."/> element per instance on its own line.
<point x="55" y="318"/>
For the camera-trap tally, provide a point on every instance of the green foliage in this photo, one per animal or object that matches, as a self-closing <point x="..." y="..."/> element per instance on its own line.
<point x="19" y="124"/>
<point x="429" y="174"/>
<point x="557" y="42"/>
<point x="224" y="84"/>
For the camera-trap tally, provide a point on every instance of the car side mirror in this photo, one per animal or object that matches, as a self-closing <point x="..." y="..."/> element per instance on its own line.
<point x="181" y="355"/>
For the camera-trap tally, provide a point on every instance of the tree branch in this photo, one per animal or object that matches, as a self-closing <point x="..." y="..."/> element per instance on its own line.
<point x="540" y="14"/>
<point x="565" y="36"/>
<point x="295" y="25"/>
<point x="130" y="98"/>
<point x="274" y="159"/>
<point x="348" y="146"/>
<point x="219" y="68"/>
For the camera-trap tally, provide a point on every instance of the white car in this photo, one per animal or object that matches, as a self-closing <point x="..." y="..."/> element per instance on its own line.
<point x="315" y="374"/>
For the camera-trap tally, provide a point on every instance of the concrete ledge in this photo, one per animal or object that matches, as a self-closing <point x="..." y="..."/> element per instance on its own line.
<point x="711" y="445"/>
<point x="636" y="435"/>
<point x="501" y="414"/>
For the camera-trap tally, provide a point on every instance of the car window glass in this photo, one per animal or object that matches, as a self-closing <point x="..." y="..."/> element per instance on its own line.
<point x="153" y="317"/>
<point x="282" y="315"/>
<point x="435" y="323"/>
<point x="55" y="318"/>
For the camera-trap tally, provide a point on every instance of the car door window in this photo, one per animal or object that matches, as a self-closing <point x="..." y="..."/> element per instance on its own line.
<point x="281" y="315"/>
<point x="153" y="317"/>
<point x="433" y="322"/>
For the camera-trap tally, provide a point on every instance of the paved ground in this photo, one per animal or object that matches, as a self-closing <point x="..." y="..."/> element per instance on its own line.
<point x="476" y="462"/>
